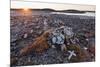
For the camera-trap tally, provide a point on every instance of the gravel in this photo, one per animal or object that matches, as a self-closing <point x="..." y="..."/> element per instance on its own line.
<point x="23" y="34"/>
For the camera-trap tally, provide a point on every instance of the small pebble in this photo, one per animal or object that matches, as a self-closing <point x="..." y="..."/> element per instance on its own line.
<point x="87" y="39"/>
<point x="85" y="48"/>
<point x="25" y="22"/>
<point x="25" y="35"/>
<point x="31" y="31"/>
<point x="29" y="59"/>
<point x="53" y="46"/>
<point x="63" y="47"/>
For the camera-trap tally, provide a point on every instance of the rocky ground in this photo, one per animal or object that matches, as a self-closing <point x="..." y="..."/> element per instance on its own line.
<point x="24" y="30"/>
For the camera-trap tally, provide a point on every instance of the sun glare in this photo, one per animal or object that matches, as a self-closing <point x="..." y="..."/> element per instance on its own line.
<point x="25" y="9"/>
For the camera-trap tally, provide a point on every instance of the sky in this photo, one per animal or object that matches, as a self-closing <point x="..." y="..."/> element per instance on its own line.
<point x="56" y="6"/>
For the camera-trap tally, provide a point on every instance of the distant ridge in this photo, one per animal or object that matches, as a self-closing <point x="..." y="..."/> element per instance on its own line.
<point x="52" y="10"/>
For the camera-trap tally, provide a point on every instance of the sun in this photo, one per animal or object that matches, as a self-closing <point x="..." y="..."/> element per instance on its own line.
<point x="25" y="9"/>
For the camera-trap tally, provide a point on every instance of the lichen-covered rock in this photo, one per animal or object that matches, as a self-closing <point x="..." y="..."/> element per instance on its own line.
<point x="39" y="45"/>
<point x="77" y="51"/>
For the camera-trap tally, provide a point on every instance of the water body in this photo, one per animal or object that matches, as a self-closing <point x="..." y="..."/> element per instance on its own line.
<point x="80" y="14"/>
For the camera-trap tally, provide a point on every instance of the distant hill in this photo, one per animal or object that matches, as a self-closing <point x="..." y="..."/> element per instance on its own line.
<point x="72" y="11"/>
<point x="52" y="10"/>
